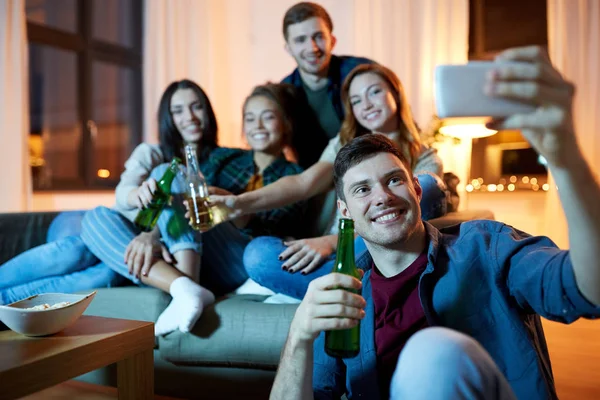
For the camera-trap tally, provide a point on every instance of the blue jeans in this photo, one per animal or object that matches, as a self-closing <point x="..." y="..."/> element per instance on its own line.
<point x="433" y="202"/>
<point x="67" y="223"/>
<point x="264" y="267"/>
<point x="63" y="265"/>
<point x="223" y="258"/>
<point x="440" y="363"/>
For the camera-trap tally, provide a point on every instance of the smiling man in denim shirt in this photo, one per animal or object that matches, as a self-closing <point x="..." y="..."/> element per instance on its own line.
<point x="453" y="313"/>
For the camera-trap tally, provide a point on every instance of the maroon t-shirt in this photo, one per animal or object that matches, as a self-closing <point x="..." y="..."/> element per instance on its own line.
<point x="398" y="315"/>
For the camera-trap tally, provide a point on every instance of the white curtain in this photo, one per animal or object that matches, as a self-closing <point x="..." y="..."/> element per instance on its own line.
<point x="229" y="46"/>
<point x="15" y="173"/>
<point x="412" y="37"/>
<point x="574" y="46"/>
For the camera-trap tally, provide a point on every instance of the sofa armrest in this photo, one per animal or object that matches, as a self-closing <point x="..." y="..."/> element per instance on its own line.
<point x="22" y="231"/>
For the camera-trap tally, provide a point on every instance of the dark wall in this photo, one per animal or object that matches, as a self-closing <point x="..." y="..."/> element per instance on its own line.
<point x="499" y="24"/>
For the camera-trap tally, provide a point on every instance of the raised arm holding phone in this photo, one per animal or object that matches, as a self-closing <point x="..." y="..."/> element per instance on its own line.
<point x="452" y="313"/>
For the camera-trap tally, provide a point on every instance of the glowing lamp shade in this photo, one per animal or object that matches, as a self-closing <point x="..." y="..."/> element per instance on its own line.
<point x="466" y="127"/>
<point x="467" y="131"/>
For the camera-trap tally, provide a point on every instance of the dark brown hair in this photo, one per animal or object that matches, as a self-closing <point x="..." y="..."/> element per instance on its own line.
<point x="410" y="144"/>
<point x="171" y="142"/>
<point x="300" y="12"/>
<point x="357" y="151"/>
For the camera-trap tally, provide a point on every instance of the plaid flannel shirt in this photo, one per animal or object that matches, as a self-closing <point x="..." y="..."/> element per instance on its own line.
<point x="232" y="169"/>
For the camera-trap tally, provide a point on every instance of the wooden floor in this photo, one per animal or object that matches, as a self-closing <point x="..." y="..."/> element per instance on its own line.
<point x="575" y="355"/>
<point x="574" y="350"/>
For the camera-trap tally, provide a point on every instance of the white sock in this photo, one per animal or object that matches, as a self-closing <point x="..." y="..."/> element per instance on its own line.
<point x="189" y="300"/>
<point x="251" y="287"/>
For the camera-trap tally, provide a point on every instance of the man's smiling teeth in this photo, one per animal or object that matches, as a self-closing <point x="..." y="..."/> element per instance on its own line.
<point x="387" y="217"/>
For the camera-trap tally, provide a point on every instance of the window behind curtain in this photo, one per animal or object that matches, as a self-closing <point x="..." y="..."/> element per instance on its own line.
<point x="85" y="87"/>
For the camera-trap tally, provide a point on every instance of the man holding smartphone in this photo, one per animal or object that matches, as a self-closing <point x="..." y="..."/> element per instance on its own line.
<point x="307" y="29"/>
<point x="453" y="313"/>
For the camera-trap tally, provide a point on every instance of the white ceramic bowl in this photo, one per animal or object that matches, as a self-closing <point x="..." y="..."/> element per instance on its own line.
<point x="44" y="322"/>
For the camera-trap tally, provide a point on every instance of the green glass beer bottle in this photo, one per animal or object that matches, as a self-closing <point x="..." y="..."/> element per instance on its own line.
<point x="147" y="217"/>
<point x="344" y="343"/>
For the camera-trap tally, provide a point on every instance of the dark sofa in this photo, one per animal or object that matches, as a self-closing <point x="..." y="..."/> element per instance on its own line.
<point x="232" y="352"/>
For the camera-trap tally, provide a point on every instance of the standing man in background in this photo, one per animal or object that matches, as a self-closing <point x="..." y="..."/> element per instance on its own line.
<point x="307" y="29"/>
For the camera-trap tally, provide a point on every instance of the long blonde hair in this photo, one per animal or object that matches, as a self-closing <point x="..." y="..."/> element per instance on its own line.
<point x="410" y="141"/>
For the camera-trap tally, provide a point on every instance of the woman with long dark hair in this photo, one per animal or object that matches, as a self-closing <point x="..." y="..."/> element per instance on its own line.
<point x="68" y="264"/>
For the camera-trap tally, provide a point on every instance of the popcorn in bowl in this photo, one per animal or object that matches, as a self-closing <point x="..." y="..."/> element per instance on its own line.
<point x="46" y="306"/>
<point x="44" y="314"/>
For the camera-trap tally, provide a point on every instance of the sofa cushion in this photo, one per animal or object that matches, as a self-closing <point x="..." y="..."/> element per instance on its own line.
<point x="129" y="302"/>
<point x="238" y="331"/>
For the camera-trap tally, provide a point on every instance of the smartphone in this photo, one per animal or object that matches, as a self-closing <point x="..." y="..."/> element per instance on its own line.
<point x="459" y="93"/>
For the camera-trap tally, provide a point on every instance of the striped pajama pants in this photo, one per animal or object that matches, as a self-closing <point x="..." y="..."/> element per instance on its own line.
<point x="107" y="234"/>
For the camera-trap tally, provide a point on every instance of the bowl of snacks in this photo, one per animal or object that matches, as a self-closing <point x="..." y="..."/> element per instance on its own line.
<point x="44" y="314"/>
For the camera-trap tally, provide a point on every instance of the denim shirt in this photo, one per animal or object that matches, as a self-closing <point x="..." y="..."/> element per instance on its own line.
<point x="309" y="143"/>
<point x="489" y="281"/>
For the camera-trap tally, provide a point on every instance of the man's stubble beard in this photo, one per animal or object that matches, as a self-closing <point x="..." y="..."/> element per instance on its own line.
<point x="322" y="71"/>
<point x="409" y="228"/>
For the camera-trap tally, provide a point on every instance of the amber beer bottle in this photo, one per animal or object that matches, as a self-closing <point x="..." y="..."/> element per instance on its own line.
<point x="201" y="218"/>
<point x="147" y="217"/>
<point x="344" y="343"/>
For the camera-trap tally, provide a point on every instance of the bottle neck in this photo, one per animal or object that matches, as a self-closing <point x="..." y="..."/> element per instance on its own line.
<point x="167" y="179"/>
<point x="345" y="249"/>
<point x="346" y="240"/>
<point x="191" y="161"/>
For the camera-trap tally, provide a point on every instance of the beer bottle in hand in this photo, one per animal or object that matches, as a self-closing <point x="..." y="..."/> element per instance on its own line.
<point x="147" y="217"/>
<point x="344" y="343"/>
<point x="201" y="218"/>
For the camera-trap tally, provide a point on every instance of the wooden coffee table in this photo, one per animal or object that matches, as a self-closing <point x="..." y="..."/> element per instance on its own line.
<point x="29" y="364"/>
